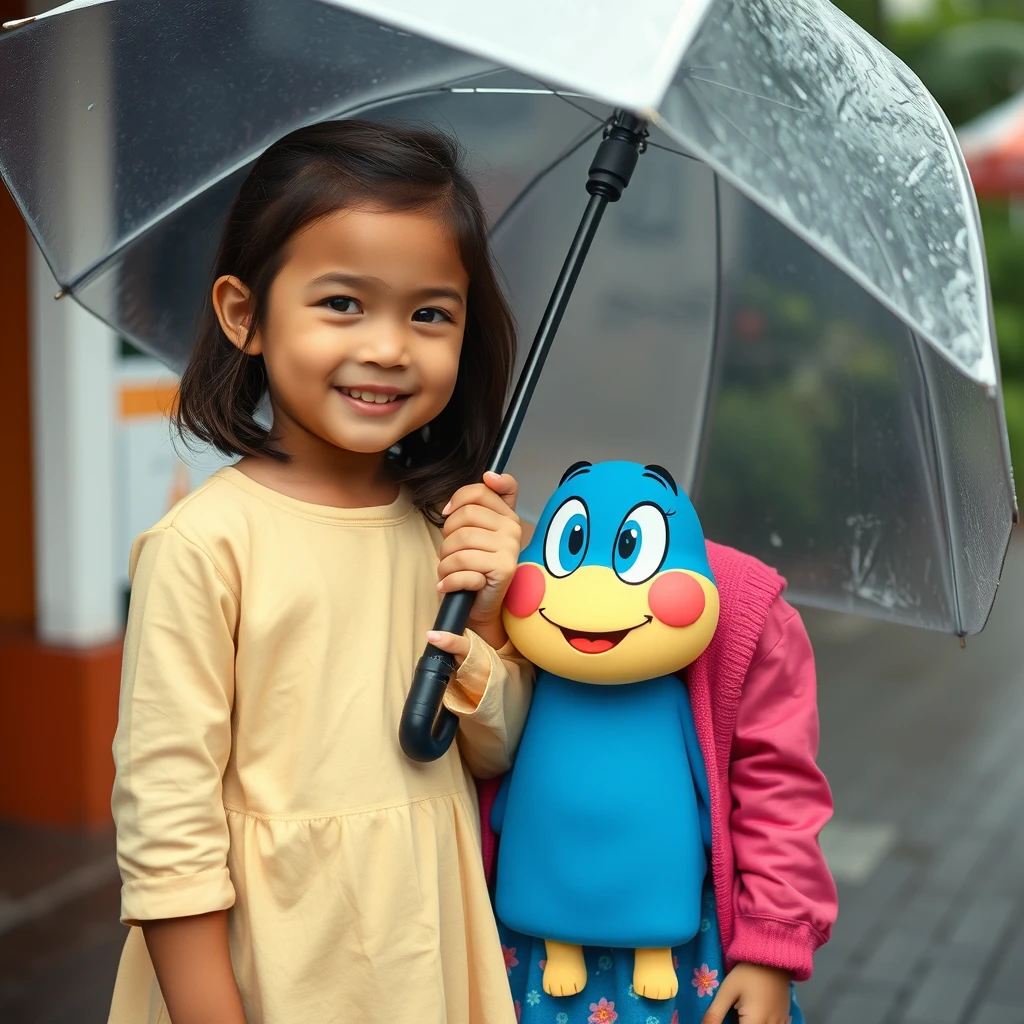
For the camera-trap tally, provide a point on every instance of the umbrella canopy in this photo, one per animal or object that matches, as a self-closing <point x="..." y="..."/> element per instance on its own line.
<point x="789" y="307"/>
<point x="993" y="145"/>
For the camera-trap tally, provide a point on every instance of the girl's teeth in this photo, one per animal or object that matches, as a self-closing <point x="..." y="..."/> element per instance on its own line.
<point x="369" y="396"/>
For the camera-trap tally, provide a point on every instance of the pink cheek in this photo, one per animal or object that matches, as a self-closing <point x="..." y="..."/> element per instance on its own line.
<point x="677" y="599"/>
<point x="525" y="592"/>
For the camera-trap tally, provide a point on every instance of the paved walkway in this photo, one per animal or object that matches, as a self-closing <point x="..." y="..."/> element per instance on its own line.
<point x="924" y="745"/>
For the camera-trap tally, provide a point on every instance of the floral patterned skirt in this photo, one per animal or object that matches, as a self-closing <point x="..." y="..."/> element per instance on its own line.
<point x="609" y="997"/>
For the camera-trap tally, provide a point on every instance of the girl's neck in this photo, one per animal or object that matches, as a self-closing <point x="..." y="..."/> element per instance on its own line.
<point x="326" y="475"/>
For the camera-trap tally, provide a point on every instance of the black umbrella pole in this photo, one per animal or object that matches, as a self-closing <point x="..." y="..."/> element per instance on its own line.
<point x="427" y="727"/>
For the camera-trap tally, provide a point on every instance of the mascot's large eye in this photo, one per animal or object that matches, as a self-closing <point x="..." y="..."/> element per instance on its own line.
<point x="641" y="544"/>
<point x="568" y="535"/>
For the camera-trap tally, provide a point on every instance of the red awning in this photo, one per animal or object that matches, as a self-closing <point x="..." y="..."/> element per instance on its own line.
<point x="993" y="145"/>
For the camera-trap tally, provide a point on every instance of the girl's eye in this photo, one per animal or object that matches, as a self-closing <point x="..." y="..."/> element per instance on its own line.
<point x="566" y="541"/>
<point x="640" y="544"/>
<point x="343" y="304"/>
<point x="430" y="315"/>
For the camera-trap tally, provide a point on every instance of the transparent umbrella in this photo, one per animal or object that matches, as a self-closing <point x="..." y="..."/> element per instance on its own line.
<point x="789" y="307"/>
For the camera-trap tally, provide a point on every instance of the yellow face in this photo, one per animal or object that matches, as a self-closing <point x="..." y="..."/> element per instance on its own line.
<point x="592" y="627"/>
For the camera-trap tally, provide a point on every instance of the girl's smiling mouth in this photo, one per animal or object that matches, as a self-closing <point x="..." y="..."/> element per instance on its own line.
<point x="373" y="401"/>
<point x="593" y="643"/>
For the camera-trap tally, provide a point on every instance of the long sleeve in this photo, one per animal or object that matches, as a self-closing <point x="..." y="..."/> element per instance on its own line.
<point x="491" y="695"/>
<point x="173" y="737"/>
<point x="784" y="897"/>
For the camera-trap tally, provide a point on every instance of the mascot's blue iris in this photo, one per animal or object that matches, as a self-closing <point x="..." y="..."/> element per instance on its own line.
<point x="641" y="544"/>
<point x="567" y="538"/>
<point x="629" y="545"/>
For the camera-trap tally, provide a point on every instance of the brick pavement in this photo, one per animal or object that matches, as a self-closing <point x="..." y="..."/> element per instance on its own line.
<point x="928" y="739"/>
<point x="924" y="746"/>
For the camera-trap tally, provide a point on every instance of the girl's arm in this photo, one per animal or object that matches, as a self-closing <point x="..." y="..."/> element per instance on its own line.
<point x="492" y="689"/>
<point x="491" y="695"/>
<point x="172" y="745"/>
<point x="193" y="965"/>
<point x="784" y="898"/>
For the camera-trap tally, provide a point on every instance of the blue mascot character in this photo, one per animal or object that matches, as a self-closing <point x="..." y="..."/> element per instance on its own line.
<point x="604" y="816"/>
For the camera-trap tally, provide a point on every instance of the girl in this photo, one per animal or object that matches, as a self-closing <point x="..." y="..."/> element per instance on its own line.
<point x="283" y="861"/>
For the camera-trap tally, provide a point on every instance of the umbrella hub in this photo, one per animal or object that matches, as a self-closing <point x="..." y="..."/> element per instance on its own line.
<point x="625" y="138"/>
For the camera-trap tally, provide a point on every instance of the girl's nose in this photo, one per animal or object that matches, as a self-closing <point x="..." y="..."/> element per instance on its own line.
<point x="385" y="344"/>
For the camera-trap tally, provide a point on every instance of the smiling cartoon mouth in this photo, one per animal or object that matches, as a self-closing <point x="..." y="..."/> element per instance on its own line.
<point x="593" y="643"/>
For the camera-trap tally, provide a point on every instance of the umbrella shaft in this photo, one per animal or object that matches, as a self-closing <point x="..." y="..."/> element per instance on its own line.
<point x="557" y="304"/>
<point x="428" y="728"/>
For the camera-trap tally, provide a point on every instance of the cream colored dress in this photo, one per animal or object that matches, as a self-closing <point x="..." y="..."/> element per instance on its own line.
<point x="269" y="650"/>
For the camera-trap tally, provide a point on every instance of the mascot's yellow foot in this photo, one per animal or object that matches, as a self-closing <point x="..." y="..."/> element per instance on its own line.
<point x="565" y="973"/>
<point x="654" y="977"/>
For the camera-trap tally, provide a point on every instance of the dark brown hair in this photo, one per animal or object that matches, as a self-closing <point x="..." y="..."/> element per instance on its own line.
<point x="310" y="174"/>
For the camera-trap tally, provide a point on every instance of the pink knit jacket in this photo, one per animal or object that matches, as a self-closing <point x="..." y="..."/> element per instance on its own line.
<point x="753" y="694"/>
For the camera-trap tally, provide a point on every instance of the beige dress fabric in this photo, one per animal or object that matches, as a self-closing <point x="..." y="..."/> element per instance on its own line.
<point x="269" y="650"/>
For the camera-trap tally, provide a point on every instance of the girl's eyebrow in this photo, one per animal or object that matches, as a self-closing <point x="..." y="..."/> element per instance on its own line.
<point x="361" y="281"/>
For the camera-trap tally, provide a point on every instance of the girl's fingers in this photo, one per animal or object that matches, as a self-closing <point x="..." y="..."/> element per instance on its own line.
<point x="474" y="538"/>
<point x="475" y="515"/>
<point x="722" y="1004"/>
<point x="462" y="580"/>
<point x="482" y="494"/>
<point x="458" y="646"/>
<point x="497" y="565"/>
<point x="505" y="486"/>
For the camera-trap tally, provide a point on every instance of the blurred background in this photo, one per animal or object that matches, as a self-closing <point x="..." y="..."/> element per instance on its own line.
<point x="921" y="740"/>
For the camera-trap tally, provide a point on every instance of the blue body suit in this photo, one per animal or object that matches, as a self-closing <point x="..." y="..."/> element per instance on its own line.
<point x="602" y="843"/>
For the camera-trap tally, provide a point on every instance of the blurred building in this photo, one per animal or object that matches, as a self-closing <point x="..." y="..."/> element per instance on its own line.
<point x="88" y="464"/>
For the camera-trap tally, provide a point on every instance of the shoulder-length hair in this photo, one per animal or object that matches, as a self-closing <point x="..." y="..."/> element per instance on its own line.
<point x="310" y="174"/>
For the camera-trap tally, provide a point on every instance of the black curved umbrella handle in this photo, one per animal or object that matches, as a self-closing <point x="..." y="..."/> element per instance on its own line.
<point x="428" y="727"/>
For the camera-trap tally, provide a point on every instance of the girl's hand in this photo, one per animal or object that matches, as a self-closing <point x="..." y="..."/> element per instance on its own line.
<point x="480" y="552"/>
<point x="760" y="995"/>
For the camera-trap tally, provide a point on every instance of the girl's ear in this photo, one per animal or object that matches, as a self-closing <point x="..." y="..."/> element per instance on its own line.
<point x="232" y="302"/>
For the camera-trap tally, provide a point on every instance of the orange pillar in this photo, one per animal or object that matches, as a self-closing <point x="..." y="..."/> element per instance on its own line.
<point x="58" y="707"/>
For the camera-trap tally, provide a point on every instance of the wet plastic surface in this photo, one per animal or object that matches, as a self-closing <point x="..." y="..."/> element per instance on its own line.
<point x="796" y="324"/>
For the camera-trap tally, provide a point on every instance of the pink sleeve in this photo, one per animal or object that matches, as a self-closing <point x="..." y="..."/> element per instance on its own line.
<point x="784" y="898"/>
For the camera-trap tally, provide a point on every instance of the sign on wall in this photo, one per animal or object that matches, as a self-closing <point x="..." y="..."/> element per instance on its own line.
<point x="154" y="468"/>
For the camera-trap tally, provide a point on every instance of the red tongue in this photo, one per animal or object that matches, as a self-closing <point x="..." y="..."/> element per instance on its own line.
<point x="587" y="646"/>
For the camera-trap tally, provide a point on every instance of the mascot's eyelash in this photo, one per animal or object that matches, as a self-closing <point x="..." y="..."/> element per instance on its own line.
<point x="669" y="513"/>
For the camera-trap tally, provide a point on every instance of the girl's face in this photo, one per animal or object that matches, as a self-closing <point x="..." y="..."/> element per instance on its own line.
<point x="363" y="329"/>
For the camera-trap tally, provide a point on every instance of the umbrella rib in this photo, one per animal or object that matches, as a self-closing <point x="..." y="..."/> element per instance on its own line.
<point x="578" y="106"/>
<point x="540" y="175"/>
<point x="745" y="92"/>
<point x="940" y="475"/>
<point x="739" y="131"/>
<point x="651" y="145"/>
<point x="675" y="152"/>
<point x="873" y="231"/>
<point x="716" y="367"/>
